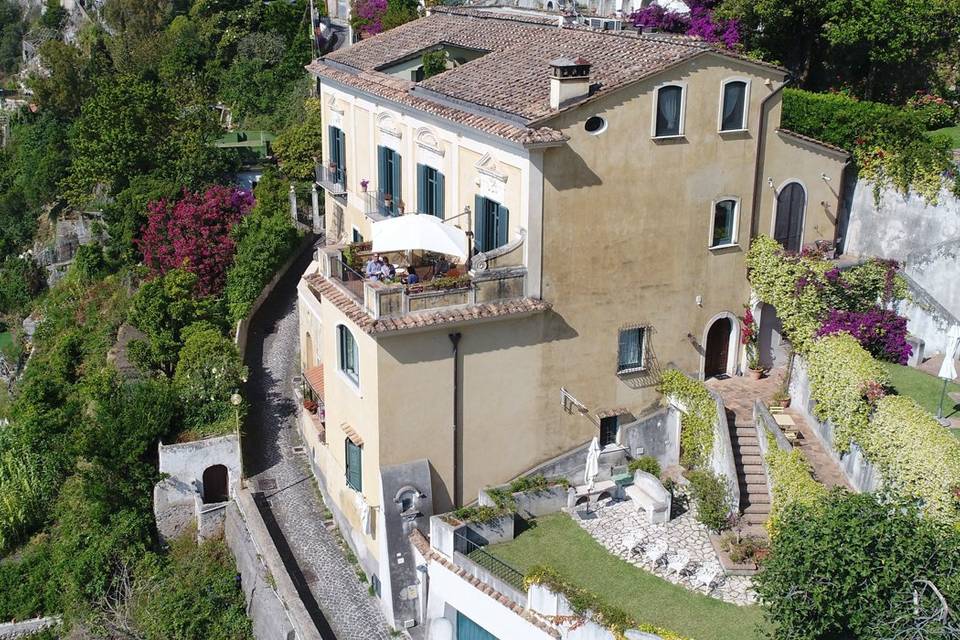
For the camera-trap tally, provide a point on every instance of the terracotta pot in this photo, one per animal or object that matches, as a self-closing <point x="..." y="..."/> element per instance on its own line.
<point x="756" y="374"/>
<point x="785" y="403"/>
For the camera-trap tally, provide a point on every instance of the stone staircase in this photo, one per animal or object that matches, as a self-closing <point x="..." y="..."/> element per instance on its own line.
<point x="754" y="497"/>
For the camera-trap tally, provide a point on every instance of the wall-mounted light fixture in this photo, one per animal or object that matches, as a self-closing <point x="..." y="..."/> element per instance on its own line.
<point x="825" y="177"/>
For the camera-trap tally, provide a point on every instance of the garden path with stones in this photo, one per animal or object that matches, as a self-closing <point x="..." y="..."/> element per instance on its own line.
<point x="616" y="519"/>
<point x="288" y="499"/>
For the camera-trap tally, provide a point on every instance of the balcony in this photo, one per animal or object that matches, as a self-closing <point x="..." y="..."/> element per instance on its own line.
<point x="394" y="299"/>
<point x="378" y="207"/>
<point x="333" y="179"/>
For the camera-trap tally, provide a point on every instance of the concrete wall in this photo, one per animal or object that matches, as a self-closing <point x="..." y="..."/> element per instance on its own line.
<point x="26" y="628"/>
<point x="861" y="474"/>
<point x="721" y="456"/>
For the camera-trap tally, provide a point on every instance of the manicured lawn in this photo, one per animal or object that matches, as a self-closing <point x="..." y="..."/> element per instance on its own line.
<point x="559" y="542"/>
<point x="952" y="132"/>
<point x="922" y="387"/>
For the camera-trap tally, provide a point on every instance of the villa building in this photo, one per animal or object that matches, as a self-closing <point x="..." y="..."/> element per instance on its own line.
<point x="609" y="183"/>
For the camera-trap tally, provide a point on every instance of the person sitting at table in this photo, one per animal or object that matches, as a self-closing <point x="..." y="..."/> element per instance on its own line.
<point x="412" y="277"/>
<point x="373" y="267"/>
<point x="386" y="270"/>
<point x="440" y="267"/>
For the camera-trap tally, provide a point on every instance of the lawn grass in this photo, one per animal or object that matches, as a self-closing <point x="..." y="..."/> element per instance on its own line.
<point x="952" y="132"/>
<point x="558" y="542"/>
<point x="922" y="387"/>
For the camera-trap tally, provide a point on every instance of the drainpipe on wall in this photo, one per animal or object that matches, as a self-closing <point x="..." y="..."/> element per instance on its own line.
<point x="457" y="489"/>
<point x="757" y="177"/>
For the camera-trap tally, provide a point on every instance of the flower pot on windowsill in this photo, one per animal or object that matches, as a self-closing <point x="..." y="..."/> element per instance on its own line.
<point x="755" y="374"/>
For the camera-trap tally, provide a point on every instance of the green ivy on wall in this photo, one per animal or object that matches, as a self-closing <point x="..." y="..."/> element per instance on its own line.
<point x="697" y="419"/>
<point x="791" y="483"/>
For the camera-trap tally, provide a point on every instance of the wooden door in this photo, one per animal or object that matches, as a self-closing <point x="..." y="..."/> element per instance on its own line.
<point x="718" y="348"/>
<point x="788" y="227"/>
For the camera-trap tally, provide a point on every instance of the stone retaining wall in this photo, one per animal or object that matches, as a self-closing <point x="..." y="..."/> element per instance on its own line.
<point x="24" y="628"/>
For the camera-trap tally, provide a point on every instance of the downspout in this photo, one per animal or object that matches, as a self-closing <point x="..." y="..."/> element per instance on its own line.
<point x="457" y="489"/>
<point x="757" y="176"/>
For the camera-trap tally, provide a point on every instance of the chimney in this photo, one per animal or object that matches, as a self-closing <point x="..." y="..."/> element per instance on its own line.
<point x="569" y="81"/>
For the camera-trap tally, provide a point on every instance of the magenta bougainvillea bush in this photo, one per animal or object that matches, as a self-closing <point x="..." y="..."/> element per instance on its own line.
<point x="880" y="331"/>
<point x="367" y="16"/>
<point x="701" y="22"/>
<point x="194" y="233"/>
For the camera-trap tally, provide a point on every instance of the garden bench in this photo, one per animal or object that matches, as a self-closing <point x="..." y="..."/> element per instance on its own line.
<point x="648" y="494"/>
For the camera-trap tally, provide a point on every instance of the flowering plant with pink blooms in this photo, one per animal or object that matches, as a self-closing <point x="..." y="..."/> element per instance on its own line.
<point x="700" y="22"/>
<point x="880" y="331"/>
<point x="366" y="16"/>
<point x="194" y="233"/>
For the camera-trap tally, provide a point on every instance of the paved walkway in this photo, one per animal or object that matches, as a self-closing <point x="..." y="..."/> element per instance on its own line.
<point x="612" y="521"/>
<point x="289" y="500"/>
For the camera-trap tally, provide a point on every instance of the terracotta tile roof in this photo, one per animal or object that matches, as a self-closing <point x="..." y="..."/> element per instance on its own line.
<point x="352" y="434"/>
<point x="422" y="545"/>
<point x="314" y="377"/>
<point x="814" y="141"/>
<point x="507" y="91"/>
<point x="324" y="289"/>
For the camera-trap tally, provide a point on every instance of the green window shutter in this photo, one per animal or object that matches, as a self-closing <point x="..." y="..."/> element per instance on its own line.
<point x="353" y="461"/>
<point x="422" y="189"/>
<point x="480" y="216"/>
<point x="438" y="209"/>
<point x="397" y="178"/>
<point x="503" y="225"/>
<point x="381" y="170"/>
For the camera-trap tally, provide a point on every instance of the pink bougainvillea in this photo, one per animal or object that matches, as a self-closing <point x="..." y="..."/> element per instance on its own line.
<point x="367" y="16"/>
<point x="194" y="233"/>
<point x="880" y="331"/>
<point x="699" y="22"/>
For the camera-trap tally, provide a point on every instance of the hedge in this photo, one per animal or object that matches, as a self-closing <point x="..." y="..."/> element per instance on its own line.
<point x="791" y="482"/>
<point x="697" y="419"/>
<point x="916" y="456"/>
<point x="841" y="373"/>
<point x="888" y="143"/>
<point x="587" y="604"/>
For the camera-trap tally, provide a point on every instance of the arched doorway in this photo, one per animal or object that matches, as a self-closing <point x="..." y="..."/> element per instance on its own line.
<point x="215" y="484"/>
<point x="717" y="354"/>
<point x="788" y="223"/>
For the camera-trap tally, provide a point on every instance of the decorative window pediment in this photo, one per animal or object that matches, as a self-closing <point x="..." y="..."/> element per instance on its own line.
<point x="426" y="139"/>
<point x="334" y="105"/>
<point x="489" y="167"/>
<point x="387" y="124"/>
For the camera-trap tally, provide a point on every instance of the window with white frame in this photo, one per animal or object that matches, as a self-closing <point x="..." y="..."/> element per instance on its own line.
<point x="668" y="117"/>
<point x="733" y="106"/>
<point x="347" y="357"/>
<point x="630" y="349"/>
<point x="723" y="227"/>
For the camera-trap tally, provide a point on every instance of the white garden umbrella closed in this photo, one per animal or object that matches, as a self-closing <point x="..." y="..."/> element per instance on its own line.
<point x="419" y="232"/>
<point x="593" y="463"/>
<point x="948" y="370"/>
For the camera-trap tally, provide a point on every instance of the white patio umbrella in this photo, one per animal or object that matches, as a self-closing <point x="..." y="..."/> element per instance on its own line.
<point x="593" y="463"/>
<point x="948" y="370"/>
<point x="423" y="232"/>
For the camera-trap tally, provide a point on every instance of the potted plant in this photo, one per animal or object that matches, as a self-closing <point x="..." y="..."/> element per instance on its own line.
<point x="364" y="184"/>
<point x="388" y="199"/>
<point x="749" y="337"/>
<point x="781" y="399"/>
<point x="401" y="206"/>
<point x="310" y="405"/>
<point x="332" y="167"/>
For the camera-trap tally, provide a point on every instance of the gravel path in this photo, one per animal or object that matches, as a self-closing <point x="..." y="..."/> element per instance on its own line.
<point x="288" y="499"/>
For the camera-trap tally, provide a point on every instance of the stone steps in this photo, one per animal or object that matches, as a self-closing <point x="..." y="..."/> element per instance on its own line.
<point x="752" y="481"/>
<point x="758" y="508"/>
<point x="746" y="432"/>
<point x="749" y="450"/>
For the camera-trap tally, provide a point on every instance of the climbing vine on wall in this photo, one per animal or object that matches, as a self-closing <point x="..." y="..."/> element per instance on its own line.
<point x="697" y="419"/>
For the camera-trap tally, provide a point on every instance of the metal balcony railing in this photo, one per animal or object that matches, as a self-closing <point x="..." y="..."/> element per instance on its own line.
<point x="333" y="179"/>
<point x="378" y="205"/>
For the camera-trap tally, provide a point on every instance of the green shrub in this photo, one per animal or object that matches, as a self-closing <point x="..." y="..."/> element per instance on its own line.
<point x="584" y="603"/>
<point x="434" y="62"/>
<point x="209" y="371"/>
<point x="21" y="281"/>
<point x="841" y="373"/>
<point x="479" y="514"/>
<point x="887" y="142"/>
<point x="645" y="463"/>
<point x="503" y="496"/>
<point x="709" y="491"/>
<point x="916" y="456"/>
<point x="697" y="419"/>
<point x="25" y="487"/>
<point x="791" y="483"/>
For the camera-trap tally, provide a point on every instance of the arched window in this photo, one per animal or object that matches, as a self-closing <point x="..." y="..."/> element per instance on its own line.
<point x="668" y="117"/>
<point x="733" y="106"/>
<point x="347" y="358"/>
<point x="723" y="227"/>
<point x="788" y="224"/>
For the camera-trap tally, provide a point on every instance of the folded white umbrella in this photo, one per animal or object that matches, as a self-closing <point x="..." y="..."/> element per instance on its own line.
<point x="948" y="370"/>
<point x="593" y="463"/>
<point x="419" y="232"/>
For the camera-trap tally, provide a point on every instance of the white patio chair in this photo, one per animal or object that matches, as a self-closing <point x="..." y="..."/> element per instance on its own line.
<point x="678" y="563"/>
<point x="706" y="576"/>
<point x="655" y="551"/>
<point x="630" y="542"/>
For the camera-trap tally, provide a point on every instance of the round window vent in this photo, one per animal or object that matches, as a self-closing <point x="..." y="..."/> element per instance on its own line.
<point x="595" y="125"/>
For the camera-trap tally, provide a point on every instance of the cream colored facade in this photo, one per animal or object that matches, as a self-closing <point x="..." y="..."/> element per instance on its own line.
<point x="615" y="229"/>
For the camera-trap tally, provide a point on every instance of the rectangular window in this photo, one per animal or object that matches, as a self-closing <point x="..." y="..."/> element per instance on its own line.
<point x="630" y="349"/>
<point x="492" y="224"/>
<point x="338" y="155"/>
<point x="389" y="179"/>
<point x="357" y="236"/>
<point x="608" y="430"/>
<point x="669" y="113"/>
<point x="354" y="473"/>
<point x="429" y="191"/>
<point x="733" y="109"/>
<point x="724" y="223"/>
<point x="467" y="629"/>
